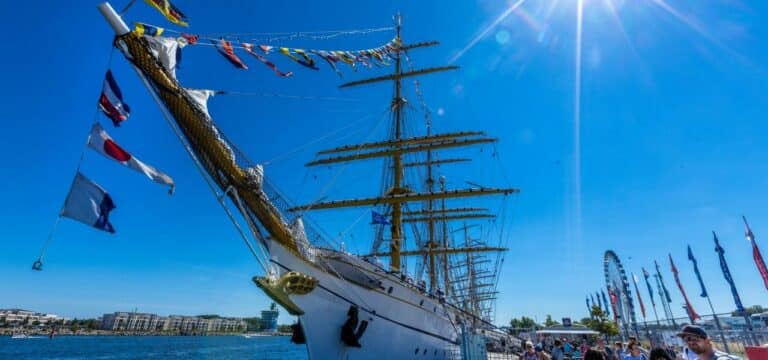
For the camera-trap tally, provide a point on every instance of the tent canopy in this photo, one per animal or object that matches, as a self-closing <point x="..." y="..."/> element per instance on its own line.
<point x="569" y="330"/>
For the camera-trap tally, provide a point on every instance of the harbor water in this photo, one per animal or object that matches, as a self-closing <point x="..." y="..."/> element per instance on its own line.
<point x="150" y="347"/>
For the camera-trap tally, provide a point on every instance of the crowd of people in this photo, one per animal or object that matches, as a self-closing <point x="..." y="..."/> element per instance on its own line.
<point x="698" y="346"/>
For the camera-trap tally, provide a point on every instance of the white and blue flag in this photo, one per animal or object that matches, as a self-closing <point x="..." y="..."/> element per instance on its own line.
<point x="89" y="203"/>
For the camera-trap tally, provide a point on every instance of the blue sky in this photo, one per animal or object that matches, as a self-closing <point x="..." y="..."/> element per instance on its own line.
<point x="671" y="125"/>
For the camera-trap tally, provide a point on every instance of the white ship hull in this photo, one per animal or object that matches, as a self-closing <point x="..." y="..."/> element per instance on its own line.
<point x="402" y="323"/>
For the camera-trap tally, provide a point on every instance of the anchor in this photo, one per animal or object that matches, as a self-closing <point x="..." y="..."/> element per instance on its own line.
<point x="349" y="335"/>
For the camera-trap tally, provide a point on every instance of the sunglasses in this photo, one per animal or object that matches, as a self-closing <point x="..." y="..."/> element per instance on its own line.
<point x="692" y="338"/>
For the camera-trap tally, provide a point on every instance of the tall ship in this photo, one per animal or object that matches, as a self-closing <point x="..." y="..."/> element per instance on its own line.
<point x="427" y="289"/>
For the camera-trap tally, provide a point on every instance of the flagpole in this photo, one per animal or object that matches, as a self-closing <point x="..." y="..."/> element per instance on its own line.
<point x="736" y="299"/>
<point x="650" y="293"/>
<point x="642" y="309"/>
<point x="656" y="315"/>
<point x="717" y="323"/>
<point x="665" y="300"/>
<point x="705" y="293"/>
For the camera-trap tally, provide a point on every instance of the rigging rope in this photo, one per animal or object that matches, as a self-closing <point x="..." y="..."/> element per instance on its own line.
<point x="37" y="265"/>
<point x="338" y="173"/>
<point x="208" y="180"/>
<point x="310" y="143"/>
<point x="125" y="9"/>
<point x="283" y="96"/>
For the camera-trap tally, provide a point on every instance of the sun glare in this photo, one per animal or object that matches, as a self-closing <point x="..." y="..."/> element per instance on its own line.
<point x="547" y="19"/>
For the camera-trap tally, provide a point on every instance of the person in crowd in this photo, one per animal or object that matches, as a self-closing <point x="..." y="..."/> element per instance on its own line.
<point x="530" y="353"/>
<point x="594" y="355"/>
<point x="660" y="354"/>
<point x="576" y="354"/>
<point x="606" y="351"/>
<point x="634" y="352"/>
<point x="671" y="351"/>
<point x="618" y="351"/>
<point x="567" y="348"/>
<point x="540" y="352"/>
<point x="584" y="347"/>
<point x="698" y="345"/>
<point x="557" y="351"/>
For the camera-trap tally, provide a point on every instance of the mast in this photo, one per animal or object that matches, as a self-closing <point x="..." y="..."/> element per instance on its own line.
<point x="471" y="286"/>
<point x="430" y="216"/>
<point x="446" y="274"/>
<point x="395" y="148"/>
<point x="397" y="226"/>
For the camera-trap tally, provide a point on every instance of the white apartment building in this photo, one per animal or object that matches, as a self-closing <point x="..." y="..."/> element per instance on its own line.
<point x="128" y="321"/>
<point x="20" y="316"/>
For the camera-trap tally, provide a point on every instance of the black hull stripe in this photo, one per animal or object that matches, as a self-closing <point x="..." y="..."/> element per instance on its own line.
<point x="452" y="342"/>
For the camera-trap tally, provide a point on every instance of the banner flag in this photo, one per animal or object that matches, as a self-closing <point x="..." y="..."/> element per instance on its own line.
<point x="639" y="299"/>
<point x="688" y="307"/>
<point x="756" y="254"/>
<point x="696" y="270"/>
<point x="727" y="274"/>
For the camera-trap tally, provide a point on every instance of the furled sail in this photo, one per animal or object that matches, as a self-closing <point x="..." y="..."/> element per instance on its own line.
<point x="167" y="50"/>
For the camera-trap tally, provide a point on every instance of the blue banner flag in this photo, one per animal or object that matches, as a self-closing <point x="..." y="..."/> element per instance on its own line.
<point x="605" y="302"/>
<point x="727" y="274"/>
<point x="593" y="299"/>
<point x="696" y="270"/>
<point x="589" y="308"/>
<point x="377" y="218"/>
<point x="663" y="287"/>
<point x="597" y="296"/>
<point x="646" y="275"/>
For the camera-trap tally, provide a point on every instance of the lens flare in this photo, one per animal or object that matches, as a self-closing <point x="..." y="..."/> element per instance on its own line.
<point x="485" y="31"/>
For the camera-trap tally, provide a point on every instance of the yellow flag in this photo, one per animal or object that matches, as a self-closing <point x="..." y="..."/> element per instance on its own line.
<point x="171" y="12"/>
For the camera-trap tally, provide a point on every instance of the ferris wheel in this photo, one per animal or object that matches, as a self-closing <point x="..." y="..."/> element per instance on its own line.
<point x="618" y="289"/>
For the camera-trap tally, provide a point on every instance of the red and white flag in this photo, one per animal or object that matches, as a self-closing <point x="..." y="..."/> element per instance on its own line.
<point x="111" y="101"/>
<point x="225" y="48"/>
<point x="102" y="143"/>
<point x="756" y="254"/>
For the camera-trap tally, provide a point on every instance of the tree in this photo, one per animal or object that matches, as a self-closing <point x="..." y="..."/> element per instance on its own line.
<point x="252" y="323"/>
<point x="522" y="323"/>
<point x="74" y="325"/>
<point x="549" y="322"/>
<point x="93" y="324"/>
<point x="754" y="309"/>
<point x="209" y="316"/>
<point x="283" y="328"/>
<point x="599" y="322"/>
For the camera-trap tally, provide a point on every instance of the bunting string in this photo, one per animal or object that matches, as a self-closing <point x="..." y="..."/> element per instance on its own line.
<point x="380" y="56"/>
<point x="310" y="35"/>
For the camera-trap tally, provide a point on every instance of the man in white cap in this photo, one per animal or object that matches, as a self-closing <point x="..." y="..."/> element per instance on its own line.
<point x="698" y="345"/>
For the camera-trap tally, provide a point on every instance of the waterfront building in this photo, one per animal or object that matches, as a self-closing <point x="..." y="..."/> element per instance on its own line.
<point x="21" y="316"/>
<point x="132" y="321"/>
<point x="268" y="322"/>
